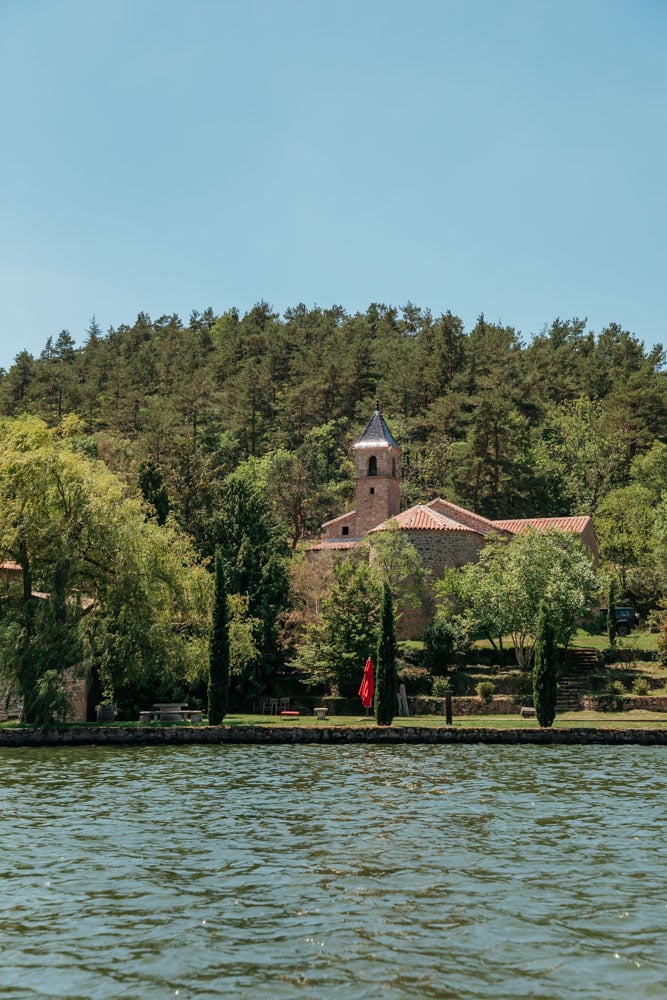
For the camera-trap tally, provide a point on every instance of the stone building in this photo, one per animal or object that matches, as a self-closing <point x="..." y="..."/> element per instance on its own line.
<point x="444" y="534"/>
<point x="377" y="484"/>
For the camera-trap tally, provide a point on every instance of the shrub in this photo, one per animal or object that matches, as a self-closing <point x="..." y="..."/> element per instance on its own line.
<point x="618" y="693"/>
<point x="640" y="685"/>
<point x="441" y="687"/>
<point x="485" y="690"/>
<point x="440" y="640"/>
<point x="416" y="679"/>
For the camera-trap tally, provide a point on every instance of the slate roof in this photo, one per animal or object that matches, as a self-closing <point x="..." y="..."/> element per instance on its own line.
<point x="376" y="433"/>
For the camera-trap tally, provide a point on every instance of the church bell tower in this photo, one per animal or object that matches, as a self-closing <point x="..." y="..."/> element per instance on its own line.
<point x="378" y="475"/>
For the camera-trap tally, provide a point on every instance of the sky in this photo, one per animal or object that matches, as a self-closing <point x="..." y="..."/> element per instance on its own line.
<point x="506" y="158"/>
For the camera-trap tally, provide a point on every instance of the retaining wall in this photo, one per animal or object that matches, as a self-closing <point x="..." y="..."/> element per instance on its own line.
<point x="609" y="703"/>
<point x="325" y="735"/>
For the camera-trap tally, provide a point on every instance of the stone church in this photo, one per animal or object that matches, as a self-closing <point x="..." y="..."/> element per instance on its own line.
<point x="444" y="534"/>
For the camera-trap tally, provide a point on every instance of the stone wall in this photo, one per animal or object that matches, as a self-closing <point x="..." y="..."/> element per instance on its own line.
<point x="82" y="736"/>
<point x="78" y="687"/>
<point x="377" y="498"/>
<point x="10" y="704"/>
<point x="334" y="528"/>
<point x="611" y="703"/>
<point x="440" y="550"/>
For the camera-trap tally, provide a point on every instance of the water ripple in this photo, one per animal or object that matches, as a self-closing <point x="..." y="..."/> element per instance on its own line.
<point x="346" y="872"/>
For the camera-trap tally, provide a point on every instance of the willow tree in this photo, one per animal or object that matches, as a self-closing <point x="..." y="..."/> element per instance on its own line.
<point x="101" y="586"/>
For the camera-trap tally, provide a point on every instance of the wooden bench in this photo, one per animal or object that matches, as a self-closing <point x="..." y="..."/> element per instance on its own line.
<point x="527" y="712"/>
<point x="289" y="715"/>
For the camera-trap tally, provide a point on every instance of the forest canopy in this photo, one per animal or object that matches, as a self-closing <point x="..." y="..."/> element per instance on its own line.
<point x="571" y="421"/>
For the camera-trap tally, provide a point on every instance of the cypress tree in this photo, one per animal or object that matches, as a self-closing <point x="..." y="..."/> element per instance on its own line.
<point x="545" y="682"/>
<point x="218" y="663"/>
<point x="386" y="679"/>
<point x="611" y="611"/>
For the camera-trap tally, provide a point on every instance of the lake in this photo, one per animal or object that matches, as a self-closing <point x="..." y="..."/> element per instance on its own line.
<point x="333" y="872"/>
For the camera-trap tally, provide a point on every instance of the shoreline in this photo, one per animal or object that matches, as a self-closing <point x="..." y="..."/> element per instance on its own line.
<point x="325" y="736"/>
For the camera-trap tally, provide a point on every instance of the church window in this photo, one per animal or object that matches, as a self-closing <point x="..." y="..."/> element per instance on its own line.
<point x="372" y="466"/>
<point x="372" y="490"/>
<point x="393" y="466"/>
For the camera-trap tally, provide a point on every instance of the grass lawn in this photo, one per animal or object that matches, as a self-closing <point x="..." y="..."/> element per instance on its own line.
<point x="638" y="719"/>
<point x="599" y="640"/>
<point x="593" y="640"/>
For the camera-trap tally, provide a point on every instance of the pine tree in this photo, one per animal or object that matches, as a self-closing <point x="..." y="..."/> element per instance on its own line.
<point x="154" y="490"/>
<point x="545" y="681"/>
<point x="386" y="680"/>
<point x="218" y="666"/>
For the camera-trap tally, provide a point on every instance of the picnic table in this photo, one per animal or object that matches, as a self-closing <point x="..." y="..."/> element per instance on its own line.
<point x="168" y="711"/>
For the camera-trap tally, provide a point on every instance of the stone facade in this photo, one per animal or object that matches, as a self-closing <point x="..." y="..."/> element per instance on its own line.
<point x="377" y="485"/>
<point x="377" y="462"/>
<point x="439" y="549"/>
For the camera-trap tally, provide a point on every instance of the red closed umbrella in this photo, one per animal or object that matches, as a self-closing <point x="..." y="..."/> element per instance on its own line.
<point x="367" y="689"/>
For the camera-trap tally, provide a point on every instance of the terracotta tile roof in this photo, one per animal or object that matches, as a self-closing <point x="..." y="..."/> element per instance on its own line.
<point x="376" y="433"/>
<point x="10" y="566"/>
<point x="465" y="517"/>
<point x="422" y="517"/>
<point x="576" y="525"/>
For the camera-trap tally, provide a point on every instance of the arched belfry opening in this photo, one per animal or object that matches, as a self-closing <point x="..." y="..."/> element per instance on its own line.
<point x="376" y="454"/>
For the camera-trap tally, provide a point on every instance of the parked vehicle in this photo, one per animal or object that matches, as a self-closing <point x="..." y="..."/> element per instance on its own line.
<point x="626" y="620"/>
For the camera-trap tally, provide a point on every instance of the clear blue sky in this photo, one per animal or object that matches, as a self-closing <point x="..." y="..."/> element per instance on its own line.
<point x="474" y="155"/>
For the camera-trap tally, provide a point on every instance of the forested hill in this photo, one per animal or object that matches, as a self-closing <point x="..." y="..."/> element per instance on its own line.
<point x="505" y="427"/>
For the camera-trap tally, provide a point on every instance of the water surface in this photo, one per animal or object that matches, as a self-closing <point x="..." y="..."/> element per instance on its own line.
<point x="346" y="872"/>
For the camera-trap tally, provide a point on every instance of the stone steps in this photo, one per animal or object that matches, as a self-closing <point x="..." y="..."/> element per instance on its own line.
<point x="574" y="684"/>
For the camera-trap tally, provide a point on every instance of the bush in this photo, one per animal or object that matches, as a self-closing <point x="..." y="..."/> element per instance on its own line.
<point x="440" y="642"/>
<point x="619" y="655"/>
<point x="441" y="687"/>
<point x="462" y="683"/>
<point x="416" y="679"/>
<point x="640" y="685"/>
<point x="617" y="693"/>
<point x="485" y="690"/>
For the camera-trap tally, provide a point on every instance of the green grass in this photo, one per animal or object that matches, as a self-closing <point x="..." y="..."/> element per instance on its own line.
<point x="638" y="719"/>
<point x="599" y="640"/>
<point x="635" y="719"/>
<point x="593" y="640"/>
